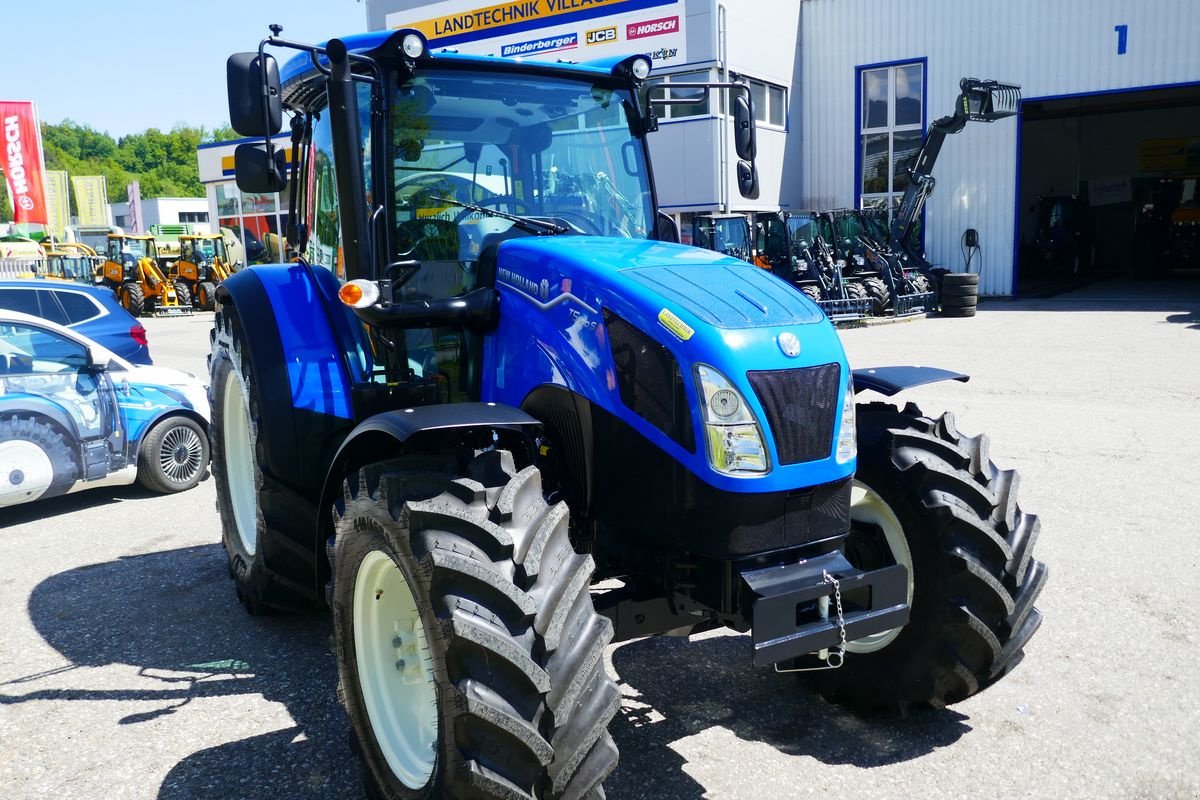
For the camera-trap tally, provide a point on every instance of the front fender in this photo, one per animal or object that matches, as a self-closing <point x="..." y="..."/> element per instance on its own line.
<point x="892" y="380"/>
<point x="298" y="342"/>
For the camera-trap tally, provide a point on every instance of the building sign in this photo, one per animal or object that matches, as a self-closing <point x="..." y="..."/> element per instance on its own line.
<point x="536" y="29"/>
<point x="21" y="160"/>
<point x="91" y="200"/>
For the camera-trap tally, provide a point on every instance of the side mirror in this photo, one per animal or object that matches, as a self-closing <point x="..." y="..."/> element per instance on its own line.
<point x="745" y="136"/>
<point x="256" y="171"/>
<point x="254" y="109"/>
<point x="665" y="229"/>
<point x="747" y="179"/>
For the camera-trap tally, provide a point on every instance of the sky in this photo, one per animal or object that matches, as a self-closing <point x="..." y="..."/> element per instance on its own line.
<point x="125" y="66"/>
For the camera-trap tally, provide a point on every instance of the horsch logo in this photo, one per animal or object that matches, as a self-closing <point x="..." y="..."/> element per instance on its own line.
<point x="16" y="161"/>
<point x="653" y="27"/>
<point x="601" y="35"/>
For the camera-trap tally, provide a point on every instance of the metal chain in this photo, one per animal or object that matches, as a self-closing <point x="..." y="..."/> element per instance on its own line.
<point x="841" y="622"/>
<point x="836" y="658"/>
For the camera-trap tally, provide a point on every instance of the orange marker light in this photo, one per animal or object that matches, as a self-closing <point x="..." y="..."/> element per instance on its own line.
<point x="350" y="294"/>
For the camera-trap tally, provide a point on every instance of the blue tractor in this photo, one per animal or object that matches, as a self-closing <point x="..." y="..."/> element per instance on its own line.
<point x="495" y="417"/>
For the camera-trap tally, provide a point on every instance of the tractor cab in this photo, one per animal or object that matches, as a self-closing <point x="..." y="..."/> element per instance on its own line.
<point x="203" y="263"/>
<point x="724" y="233"/>
<point x="123" y="254"/>
<point x="70" y="261"/>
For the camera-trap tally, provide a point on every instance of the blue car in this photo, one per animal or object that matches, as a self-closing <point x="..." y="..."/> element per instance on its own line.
<point x="93" y="311"/>
<point x="74" y="415"/>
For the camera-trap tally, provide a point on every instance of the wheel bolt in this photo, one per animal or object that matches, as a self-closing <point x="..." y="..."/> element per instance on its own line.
<point x="400" y="664"/>
<point x="397" y="642"/>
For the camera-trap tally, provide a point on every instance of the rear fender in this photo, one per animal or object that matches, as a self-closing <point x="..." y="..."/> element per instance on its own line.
<point x="297" y="346"/>
<point x="893" y="380"/>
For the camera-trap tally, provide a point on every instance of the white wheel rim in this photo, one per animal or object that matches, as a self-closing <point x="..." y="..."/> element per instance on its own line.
<point x="26" y="472"/>
<point x="181" y="454"/>
<point x="868" y="507"/>
<point x="394" y="671"/>
<point x="239" y="461"/>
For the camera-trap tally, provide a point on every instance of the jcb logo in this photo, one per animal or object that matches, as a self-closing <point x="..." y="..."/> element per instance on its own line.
<point x="601" y="35"/>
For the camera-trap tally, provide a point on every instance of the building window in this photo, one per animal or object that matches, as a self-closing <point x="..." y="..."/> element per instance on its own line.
<point x="890" y="131"/>
<point x="770" y="101"/>
<point x="193" y="216"/>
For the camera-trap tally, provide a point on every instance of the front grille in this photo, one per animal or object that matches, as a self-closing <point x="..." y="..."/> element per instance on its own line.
<point x="801" y="406"/>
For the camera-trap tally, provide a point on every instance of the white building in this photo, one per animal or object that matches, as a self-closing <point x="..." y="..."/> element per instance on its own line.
<point x="254" y="219"/>
<point x="165" y="211"/>
<point x="845" y="89"/>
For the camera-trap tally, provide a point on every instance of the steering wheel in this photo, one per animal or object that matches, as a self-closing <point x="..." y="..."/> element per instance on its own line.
<point x="500" y="199"/>
<point x="589" y="223"/>
<point x="429" y="239"/>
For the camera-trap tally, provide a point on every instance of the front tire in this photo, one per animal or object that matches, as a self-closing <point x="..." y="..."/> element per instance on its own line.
<point x="968" y="547"/>
<point x="266" y="533"/>
<point x="484" y="677"/>
<point x="881" y="298"/>
<point x="206" y="295"/>
<point x="173" y="456"/>
<point x="132" y="298"/>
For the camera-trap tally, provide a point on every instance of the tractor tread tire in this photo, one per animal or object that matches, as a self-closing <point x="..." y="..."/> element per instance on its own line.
<point x="958" y="311"/>
<point x="811" y="292"/>
<point x="53" y="443"/>
<point x="183" y="294"/>
<point x="281" y="572"/>
<point x="974" y="579"/>
<point x="921" y="284"/>
<point x="132" y="298"/>
<point x="881" y="298"/>
<point x="855" y="291"/>
<point x="206" y="296"/>
<point x="517" y="647"/>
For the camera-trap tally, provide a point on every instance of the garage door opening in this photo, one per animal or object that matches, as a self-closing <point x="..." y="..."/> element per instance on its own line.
<point x="1108" y="187"/>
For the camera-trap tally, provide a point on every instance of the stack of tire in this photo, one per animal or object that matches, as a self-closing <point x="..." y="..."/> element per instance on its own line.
<point x="959" y="294"/>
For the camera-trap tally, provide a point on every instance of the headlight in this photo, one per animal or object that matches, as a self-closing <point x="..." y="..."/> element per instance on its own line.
<point x="734" y="438"/>
<point x="847" y="446"/>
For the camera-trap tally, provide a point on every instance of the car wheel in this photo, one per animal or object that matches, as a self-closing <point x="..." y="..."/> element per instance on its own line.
<point x="37" y="461"/>
<point x="174" y="455"/>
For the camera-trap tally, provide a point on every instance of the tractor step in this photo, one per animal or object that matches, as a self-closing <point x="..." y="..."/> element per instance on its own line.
<point x="787" y="619"/>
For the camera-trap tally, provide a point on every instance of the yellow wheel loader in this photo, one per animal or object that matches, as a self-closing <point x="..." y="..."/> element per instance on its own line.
<point x="131" y="270"/>
<point x="203" y="263"/>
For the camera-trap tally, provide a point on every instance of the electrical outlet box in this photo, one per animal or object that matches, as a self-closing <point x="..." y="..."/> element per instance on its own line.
<point x="971" y="238"/>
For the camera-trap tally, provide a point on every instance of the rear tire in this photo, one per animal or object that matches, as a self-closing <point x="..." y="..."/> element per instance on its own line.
<point x="881" y="298"/>
<point x="811" y="292"/>
<point x="855" y="291"/>
<point x="38" y="461"/>
<point x="132" y="298"/>
<point x="498" y="634"/>
<point x="173" y="456"/>
<point x="973" y="580"/>
<point x="265" y="529"/>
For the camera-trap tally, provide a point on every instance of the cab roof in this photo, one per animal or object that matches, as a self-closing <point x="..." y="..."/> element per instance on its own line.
<point x="300" y="66"/>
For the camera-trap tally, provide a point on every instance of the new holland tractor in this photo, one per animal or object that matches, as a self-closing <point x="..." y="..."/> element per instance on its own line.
<point x="202" y="265"/>
<point x="496" y="434"/>
<point x="132" y="271"/>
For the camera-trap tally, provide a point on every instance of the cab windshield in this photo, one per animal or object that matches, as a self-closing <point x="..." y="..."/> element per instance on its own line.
<point x="557" y="150"/>
<point x="207" y="249"/>
<point x="137" y="248"/>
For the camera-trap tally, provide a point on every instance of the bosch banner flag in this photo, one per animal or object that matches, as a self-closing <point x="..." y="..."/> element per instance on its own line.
<point x="21" y="160"/>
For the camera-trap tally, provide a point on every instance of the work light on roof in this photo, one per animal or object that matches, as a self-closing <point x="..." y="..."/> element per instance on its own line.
<point x="640" y="68"/>
<point x="412" y="45"/>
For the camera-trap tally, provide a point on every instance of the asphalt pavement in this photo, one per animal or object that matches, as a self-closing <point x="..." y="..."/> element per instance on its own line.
<point x="128" y="669"/>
